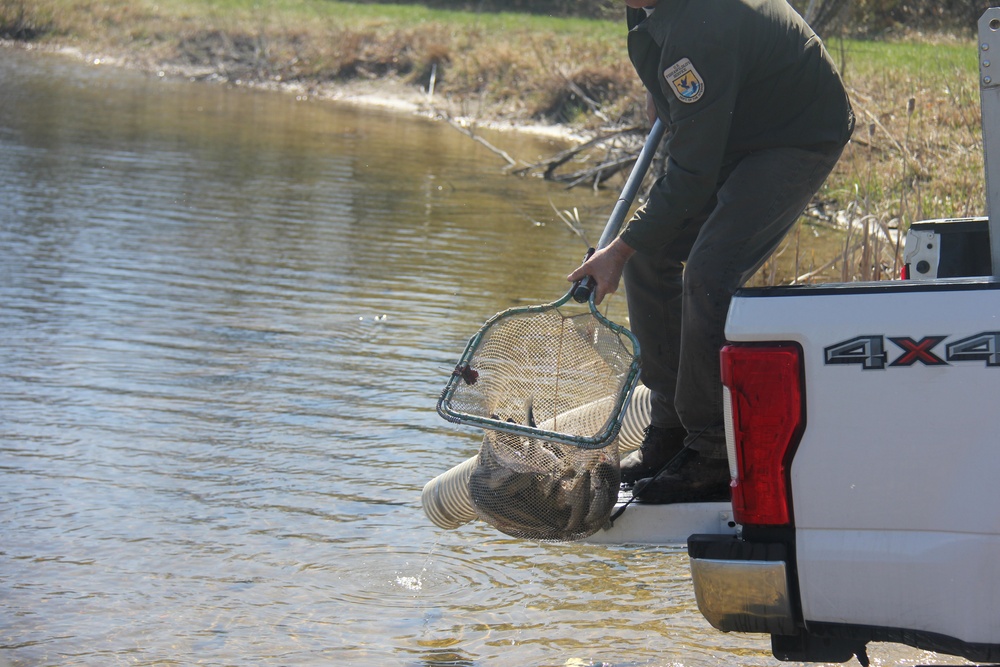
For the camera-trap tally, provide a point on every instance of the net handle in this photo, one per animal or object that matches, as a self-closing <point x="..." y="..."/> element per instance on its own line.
<point x="583" y="288"/>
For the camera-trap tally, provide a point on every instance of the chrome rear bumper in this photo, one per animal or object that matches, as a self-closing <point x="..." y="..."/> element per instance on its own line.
<point x="741" y="587"/>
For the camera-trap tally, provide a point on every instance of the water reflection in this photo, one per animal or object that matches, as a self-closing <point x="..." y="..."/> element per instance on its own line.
<point x="225" y="317"/>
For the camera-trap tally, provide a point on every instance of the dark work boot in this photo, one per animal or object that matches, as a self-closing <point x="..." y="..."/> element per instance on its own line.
<point x="690" y="478"/>
<point x="658" y="446"/>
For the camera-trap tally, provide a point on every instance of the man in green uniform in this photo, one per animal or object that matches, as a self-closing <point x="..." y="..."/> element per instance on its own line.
<point x="757" y="117"/>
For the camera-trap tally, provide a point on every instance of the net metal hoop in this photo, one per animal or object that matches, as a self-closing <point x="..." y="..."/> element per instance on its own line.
<point x="465" y="374"/>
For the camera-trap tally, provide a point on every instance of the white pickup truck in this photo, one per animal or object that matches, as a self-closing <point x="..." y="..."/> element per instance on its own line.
<point x="863" y="424"/>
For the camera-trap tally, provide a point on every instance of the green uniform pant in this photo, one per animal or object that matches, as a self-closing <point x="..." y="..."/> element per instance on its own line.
<point x="678" y="298"/>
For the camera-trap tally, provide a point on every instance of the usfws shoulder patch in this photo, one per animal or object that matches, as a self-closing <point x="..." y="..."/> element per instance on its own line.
<point x="685" y="81"/>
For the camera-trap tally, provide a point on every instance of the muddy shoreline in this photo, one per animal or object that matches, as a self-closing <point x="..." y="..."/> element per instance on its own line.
<point x="389" y="93"/>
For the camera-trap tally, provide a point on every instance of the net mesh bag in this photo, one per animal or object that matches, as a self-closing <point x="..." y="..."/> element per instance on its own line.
<point x="538" y="490"/>
<point x="549" y="387"/>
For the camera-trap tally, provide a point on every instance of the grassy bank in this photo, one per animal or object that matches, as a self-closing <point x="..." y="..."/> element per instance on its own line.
<point x="916" y="155"/>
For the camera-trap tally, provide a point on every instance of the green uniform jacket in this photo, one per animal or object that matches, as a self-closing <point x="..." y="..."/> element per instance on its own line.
<point x="729" y="77"/>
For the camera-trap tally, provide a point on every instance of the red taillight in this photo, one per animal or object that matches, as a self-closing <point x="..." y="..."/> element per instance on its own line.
<point x="765" y="416"/>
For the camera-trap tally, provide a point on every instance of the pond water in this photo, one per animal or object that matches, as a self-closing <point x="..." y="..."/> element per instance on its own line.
<point x="225" y="317"/>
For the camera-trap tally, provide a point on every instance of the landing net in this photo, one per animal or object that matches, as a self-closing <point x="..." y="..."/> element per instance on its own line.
<point x="550" y="388"/>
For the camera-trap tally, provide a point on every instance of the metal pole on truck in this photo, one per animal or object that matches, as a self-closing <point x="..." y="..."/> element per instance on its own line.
<point x="989" y="91"/>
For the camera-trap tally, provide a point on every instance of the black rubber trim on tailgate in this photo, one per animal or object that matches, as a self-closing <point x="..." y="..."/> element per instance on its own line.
<point x="726" y="547"/>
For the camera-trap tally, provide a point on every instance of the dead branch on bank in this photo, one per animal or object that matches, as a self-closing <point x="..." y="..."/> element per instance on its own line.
<point x="612" y="152"/>
<point x="511" y="162"/>
<point x="595" y="161"/>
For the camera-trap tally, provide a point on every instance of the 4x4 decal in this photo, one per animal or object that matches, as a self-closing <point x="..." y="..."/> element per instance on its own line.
<point x="870" y="353"/>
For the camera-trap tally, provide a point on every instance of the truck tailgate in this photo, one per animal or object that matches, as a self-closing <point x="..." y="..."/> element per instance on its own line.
<point x="894" y="491"/>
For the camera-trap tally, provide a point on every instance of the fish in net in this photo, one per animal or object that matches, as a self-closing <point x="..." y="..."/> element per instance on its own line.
<point x="540" y="490"/>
